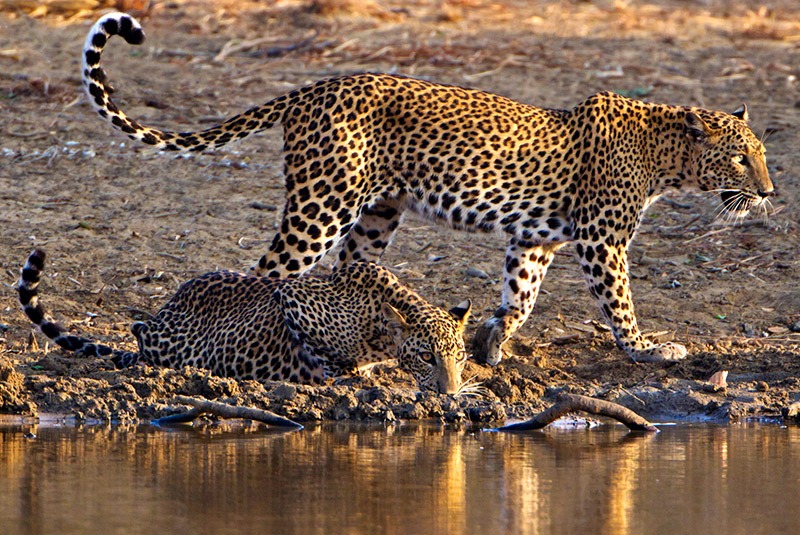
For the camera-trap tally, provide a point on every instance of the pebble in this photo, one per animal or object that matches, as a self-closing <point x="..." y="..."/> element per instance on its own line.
<point x="749" y="330"/>
<point x="285" y="391"/>
<point x="262" y="206"/>
<point x="777" y="329"/>
<point x="475" y="272"/>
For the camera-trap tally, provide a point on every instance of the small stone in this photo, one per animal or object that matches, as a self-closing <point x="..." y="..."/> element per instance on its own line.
<point x="749" y="330"/>
<point x="762" y="386"/>
<point x="285" y="391"/>
<point x="777" y="329"/>
<point x="719" y="379"/>
<point x="262" y="206"/>
<point x="475" y="272"/>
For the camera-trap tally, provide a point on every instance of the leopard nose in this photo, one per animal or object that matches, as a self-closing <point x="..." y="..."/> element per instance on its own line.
<point x="764" y="194"/>
<point x="449" y="381"/>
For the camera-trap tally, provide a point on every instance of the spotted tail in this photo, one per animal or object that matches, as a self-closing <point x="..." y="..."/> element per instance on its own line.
<point x="97" y="89"/>
<point x="28" y="289"/>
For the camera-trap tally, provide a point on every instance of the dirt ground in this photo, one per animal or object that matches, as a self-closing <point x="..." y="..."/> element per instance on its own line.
<point x="124" y="225"/>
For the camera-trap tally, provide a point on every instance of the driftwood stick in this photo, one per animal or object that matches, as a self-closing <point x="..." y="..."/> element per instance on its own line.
<point x="182" y="418"/>
<point x="566" y="403"/>
<point x="223" y="410"/>
<point x="792" y="411"/>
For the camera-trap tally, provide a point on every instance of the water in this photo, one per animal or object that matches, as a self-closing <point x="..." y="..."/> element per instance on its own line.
<point x="411" y="478"/>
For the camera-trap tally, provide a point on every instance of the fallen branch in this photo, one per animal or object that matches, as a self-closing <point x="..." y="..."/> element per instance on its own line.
<point x="223" y="410"/>
<point x="566" y="403"/>
<point x="792" y="412"/>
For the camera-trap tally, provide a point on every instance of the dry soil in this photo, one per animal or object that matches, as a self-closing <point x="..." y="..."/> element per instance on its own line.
<point x="124" y="225"/>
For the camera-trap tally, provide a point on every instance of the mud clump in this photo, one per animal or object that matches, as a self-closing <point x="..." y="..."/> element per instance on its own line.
<point x="14" y="398"/>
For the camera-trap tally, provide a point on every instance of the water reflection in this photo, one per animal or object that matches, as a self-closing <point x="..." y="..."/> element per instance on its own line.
<point x="402" y="479"/>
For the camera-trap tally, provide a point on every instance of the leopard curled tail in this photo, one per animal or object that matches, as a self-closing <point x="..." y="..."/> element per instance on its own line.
<point x="28" y="290"/>
<point x="98" y="91"/>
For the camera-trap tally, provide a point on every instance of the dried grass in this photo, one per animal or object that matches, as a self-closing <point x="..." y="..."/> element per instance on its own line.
<point x="74" y="8"/>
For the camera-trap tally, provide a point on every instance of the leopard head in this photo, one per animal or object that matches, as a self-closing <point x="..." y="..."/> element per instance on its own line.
<point x="430" y="345"/>
<point x="727" y="157"/>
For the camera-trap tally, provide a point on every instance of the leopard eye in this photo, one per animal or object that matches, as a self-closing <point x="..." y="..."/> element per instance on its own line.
<point x="462" y="356"/>
<point x="741" y="159"/>
<point x="427" y="358"/>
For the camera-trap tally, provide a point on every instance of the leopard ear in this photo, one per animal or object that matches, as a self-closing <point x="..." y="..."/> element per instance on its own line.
<point x="696" y="128"/>
<point x="461" y="311"/>
<point x="394" y="320"/>
<point x="741" y="113"/>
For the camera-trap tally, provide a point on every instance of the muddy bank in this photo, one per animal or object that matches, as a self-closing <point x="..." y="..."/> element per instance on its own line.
<point x="124" y="226"/>
<point x="91" y="390"/>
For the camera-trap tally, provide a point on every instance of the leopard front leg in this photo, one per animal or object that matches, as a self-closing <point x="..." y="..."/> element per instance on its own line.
<point x="525" y="267"/>
<point x="605" y="268"/>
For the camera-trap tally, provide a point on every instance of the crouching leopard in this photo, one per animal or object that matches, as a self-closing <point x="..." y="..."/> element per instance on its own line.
<point x="359" y="150"/>
<point x="302" y="330"/>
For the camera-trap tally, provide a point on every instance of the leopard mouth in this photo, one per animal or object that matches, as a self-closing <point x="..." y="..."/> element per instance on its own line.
<point x="728" y="197"/>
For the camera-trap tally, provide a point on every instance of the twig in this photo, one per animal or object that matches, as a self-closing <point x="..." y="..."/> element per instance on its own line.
<point x="676" y="204"/>
<point x="741" y="338"/>
<point x="223" y="410"/>
<point x="566" y="403"/>
<point x="139" y="311"/>
<point x="707" y="234"/>
<point x="634" y="396"/>
<point x="564" y="340"/>
<point x="511" y="60"/>
<point x="39" y="133"/>
<point x="234" y="46"/>
<point x="172" y="257"/>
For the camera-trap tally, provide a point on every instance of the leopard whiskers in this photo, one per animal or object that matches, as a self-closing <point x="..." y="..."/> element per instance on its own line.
<point x="766" y="208"/>
<point x="472" y="388"/>
<point x="734" y="209"/>
<point x="765" y="136"/>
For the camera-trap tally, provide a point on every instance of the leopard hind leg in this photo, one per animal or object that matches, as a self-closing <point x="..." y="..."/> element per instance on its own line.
<point x="372" y="234"/>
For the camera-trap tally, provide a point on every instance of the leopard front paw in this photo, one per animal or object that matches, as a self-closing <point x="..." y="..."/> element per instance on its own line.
<point x="487" y="345"/>
<point x="666" y="352"/>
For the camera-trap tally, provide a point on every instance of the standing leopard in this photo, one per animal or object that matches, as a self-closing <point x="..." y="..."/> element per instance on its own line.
<point x="359" y="150"/>
<point x="302" y="330"/>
